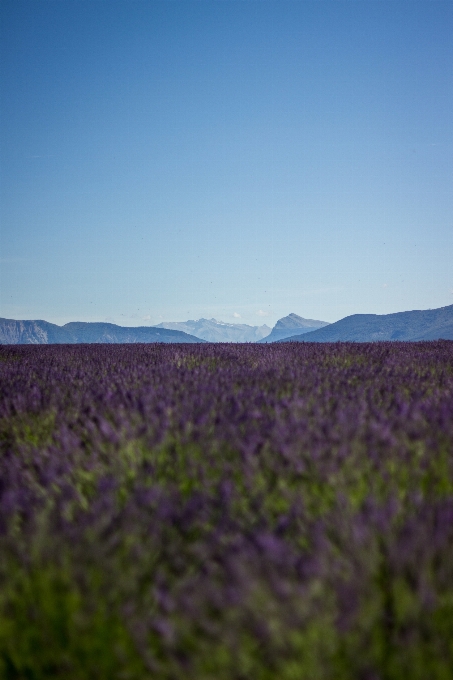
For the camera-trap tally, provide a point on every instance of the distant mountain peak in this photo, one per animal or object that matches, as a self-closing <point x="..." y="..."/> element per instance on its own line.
<point x="213" y="330"/>
<point x="296" y="321"/>
<point x="293" y="324"/>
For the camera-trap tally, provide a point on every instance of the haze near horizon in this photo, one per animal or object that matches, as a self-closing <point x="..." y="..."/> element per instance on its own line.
<point x="168" y="161"/>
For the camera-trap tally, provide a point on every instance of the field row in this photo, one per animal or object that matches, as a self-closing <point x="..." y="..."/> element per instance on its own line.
<point x="227" y="512"/>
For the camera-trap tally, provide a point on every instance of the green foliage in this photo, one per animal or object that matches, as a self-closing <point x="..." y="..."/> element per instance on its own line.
<point x="199" y="513"/>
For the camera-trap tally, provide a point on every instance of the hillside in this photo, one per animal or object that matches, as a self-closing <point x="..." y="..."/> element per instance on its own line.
<point x="110" y="333"/>
<point x="39" y="332"/>
<point x="428" y="324"/>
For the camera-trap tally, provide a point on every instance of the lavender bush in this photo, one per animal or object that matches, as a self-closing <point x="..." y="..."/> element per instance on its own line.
<point x="227" y="512"/>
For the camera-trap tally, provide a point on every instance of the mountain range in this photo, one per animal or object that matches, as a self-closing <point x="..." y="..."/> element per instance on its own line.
<point x="212" y="330"/>
<point x="14" y="332"/>
<point x="292" y="325"/>
<point x="427" y="324"/>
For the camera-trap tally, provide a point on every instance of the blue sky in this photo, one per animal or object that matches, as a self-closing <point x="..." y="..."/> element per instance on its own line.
<point x="231" y="159"/>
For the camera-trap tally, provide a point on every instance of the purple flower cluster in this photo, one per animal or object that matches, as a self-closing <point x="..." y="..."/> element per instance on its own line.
<point x="227" y="511"/>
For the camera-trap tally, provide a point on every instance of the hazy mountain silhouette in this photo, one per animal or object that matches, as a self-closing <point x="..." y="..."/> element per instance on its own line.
<point x="219" y="331"/>
<point x="431" y="324"/>
<point x="14" y="332"/>
<point x="428" y="324"/>
<point x="292" y="325"/>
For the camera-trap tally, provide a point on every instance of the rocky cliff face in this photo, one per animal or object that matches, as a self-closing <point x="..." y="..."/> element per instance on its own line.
<point x="293" y="325"/>
<point x="14" y="332"/>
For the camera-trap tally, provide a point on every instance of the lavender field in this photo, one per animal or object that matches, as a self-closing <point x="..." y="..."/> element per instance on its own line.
<point x="227" y="512"/>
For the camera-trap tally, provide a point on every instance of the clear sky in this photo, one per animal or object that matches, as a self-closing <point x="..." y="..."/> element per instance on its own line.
<point x="232" y="159"/>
